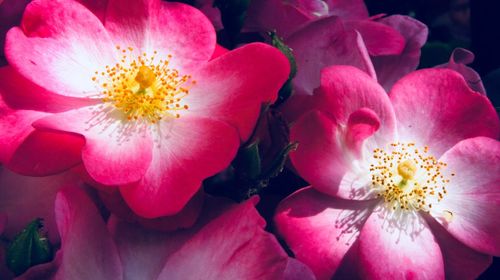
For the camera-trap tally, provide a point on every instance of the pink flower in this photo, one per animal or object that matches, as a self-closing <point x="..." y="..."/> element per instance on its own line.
<point x="10" y="15"/>
<point x="402" y="186"/>
<point x="136" y="92"/>
<point x="227" y="243"/>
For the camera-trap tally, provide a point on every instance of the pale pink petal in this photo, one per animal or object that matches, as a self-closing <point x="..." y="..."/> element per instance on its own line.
<point x="115" y="152"/>
<point x="391" y="68"/>
<point x="361" y="124"/>
<point x="398" y="246"/>
<point x="169" y="28"/>
<point x="345" y="89"/>
<point x="460" y="261"/>
<point x="458" y="62"/>
<point x="234" y="86"/>
<point x="229" y="247"/>
<point x="379" y="38"/>
<point x="452" y="111"/>
<point x="87" y="250"/>
<point x="186" y="151"/>
<point x="473" y="194"/>
<point x="348" y="9"/>
<point x="59" y="47"/>
<point x="320" y="229"/>
<point x="325" y="43"/>
<point x="24" y="199"/>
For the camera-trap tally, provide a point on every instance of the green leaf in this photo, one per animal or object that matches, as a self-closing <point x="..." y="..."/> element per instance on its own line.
<point x="248" y="162"/>
<point x="278" y="43"/>
<point x="29" y="248"/>
<point x="279" y="161"/>
<point x="286" y="90"/>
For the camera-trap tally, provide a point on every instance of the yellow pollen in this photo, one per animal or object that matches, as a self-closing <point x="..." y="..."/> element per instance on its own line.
<point x="407" y="169"/>
<point x="408" y="178"/>
<point x="144" y="88"/>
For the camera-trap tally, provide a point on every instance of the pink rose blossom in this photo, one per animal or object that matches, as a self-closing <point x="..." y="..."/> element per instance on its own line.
<point x="227" y="243"/>
<point x="402" y="186"/>
<point x="136" y="93"/>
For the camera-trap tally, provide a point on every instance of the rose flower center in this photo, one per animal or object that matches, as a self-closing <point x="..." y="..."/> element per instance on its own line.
<point x="143" y="87"/>
<point x="408" y="178"/>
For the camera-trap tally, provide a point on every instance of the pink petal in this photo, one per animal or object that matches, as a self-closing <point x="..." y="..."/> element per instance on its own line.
<point x="87" y="250"/>
<point x="186" y="151"/>
<point x="322" y="158"/>
<point x="169" y="28"/>
<point x="278" y="15"/>
<point x="97" y="7"/>
<point x="380" y="39"/>
<point x="458" y="61"/>
<point x="361" y="124"/>
<point x="115" y="152"/>
<point x="398" y="246"/>
<point x="345" y="89"/>
<point x="473" y="194"/>
<point x="296" y="270"/>
<point x="452" y="111"/>
<point x="319" y="229"/>
<point x="348" y="9"/>
<point x="325" y="43"/>
<point x="184" y="219"/>
<point x="45" y="153"/>
<point x="319" y="159"/>
<point x="60" y="37"/>
<point x="25" y="198"/>
<point x="229" y="247"/>
<point x="391" y="68"/>
<point x="11" y="12"/>
<point x="460" y="261"/>
<point x="142" y="252"/>
<point x="234" y="86"/>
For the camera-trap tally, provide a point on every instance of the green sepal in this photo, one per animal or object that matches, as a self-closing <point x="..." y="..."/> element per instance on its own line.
<point x="29" y="248"/>
<point x="279" y="161"/>
<point x="248" y="162"/>
<point x="286" y="90"/>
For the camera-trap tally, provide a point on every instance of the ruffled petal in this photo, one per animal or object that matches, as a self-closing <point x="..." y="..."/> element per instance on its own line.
<point x="379" y="38"/>
<point x="186" y="151"/>
<point x="473" y="194"/>
<point x="391" y="68"/>
<point x="60" y="46"/>
<point x="348" y="9"/>
<point x="295" y="270"/>
<point x="233" y="87"/>
<point x="460" y="261"/>
<point x="345" y="89"/>
<point x="458" y="62"/>
<point x="115" y="152"/>
<point x="452" y="111"/>
<point x="169" y="28"/>
<point x="25" y="198"/>
<point x="324" y="43"/>
<point x="320" y="229"/>
<point x="87" y="250"/>
<point x="229" y="247"/>
<point x="398" y="246"/>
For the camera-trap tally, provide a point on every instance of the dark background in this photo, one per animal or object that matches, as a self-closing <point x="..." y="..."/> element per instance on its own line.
<point x="484" y="41"/>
